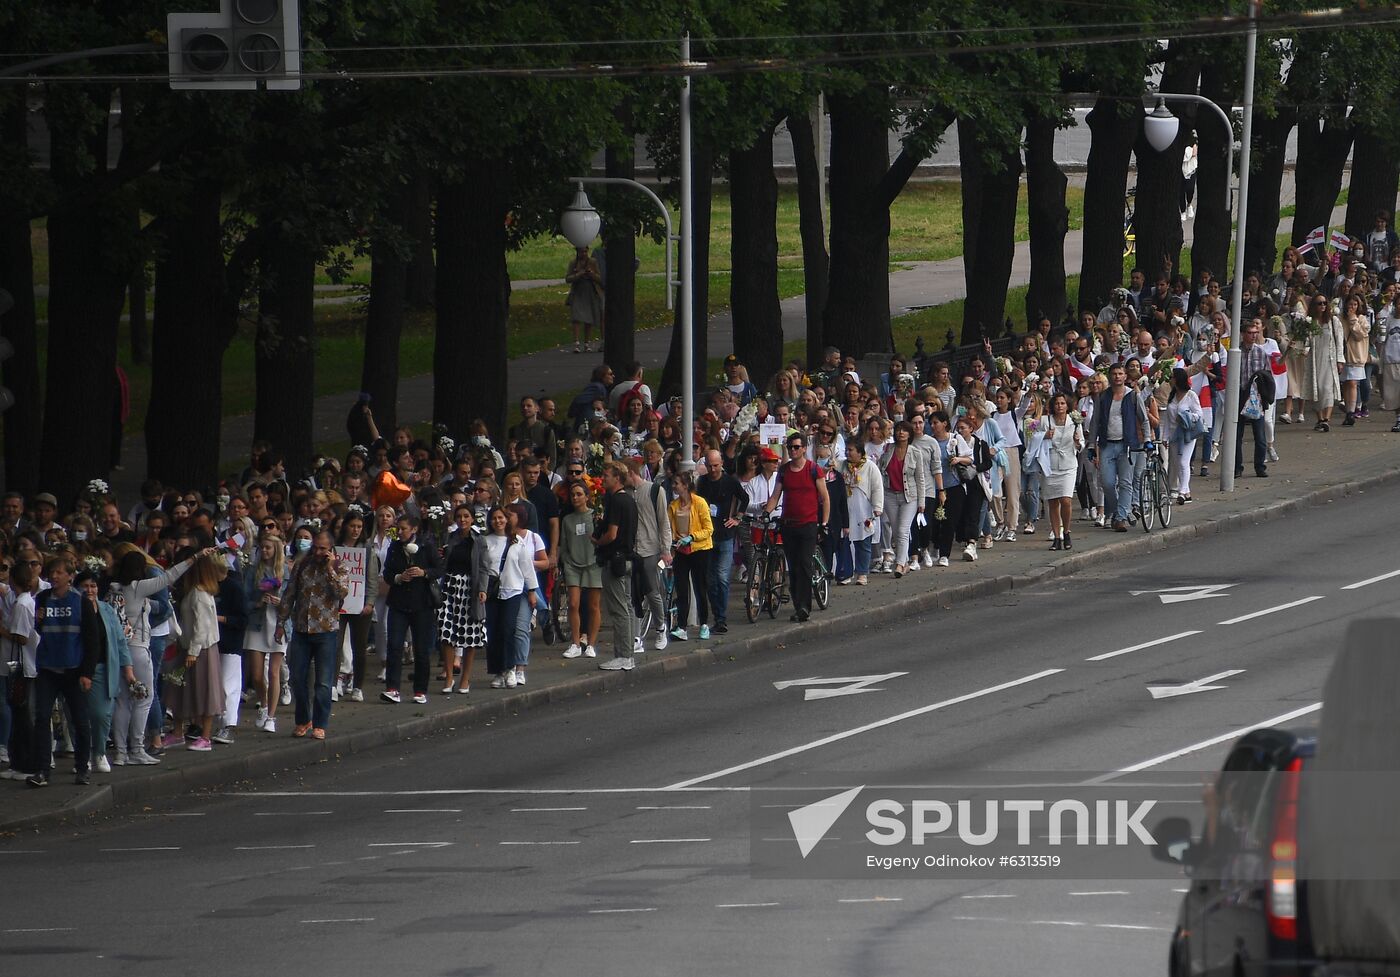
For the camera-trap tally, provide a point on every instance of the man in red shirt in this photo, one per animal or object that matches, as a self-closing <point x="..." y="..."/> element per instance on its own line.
<point x="802" y="492"/>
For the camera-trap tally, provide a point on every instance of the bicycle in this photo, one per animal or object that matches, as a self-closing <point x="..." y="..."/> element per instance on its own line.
<point x="767" y="583"/>
<point x="821" y="580"/>
<point x="558" y="609"/>
<point x="1150" y="489"/>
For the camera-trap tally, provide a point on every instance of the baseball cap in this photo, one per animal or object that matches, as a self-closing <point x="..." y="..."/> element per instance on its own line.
<point x="732" y="360"/>
<point x="768" y="454"/>
<point x="46" y="497"/>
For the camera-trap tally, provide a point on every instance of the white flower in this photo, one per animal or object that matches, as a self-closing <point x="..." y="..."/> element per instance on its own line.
<point x="97" y="487"/>
<point x="447" y="444"/>
<point x="410" y="548"/>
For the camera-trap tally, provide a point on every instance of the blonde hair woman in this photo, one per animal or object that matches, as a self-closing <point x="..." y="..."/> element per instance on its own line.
<point x="199" y="697"/>
<point x="263" y="583"/>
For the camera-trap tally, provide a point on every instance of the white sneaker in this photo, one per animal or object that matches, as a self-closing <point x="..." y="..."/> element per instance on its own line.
<point x="261" y="721"/>
<point x="573" y="652"/>
<point x="913" y="564"/>
<point x="499" y="682"/>
<point x="103" y="765"/>
<point x="1028" y="529"/>
<point x="520" y="678"/>
<point x="510" y="679"/>
<point x="1214" y="450"/>
<point x="335" y="692"/>
<point x="589" y="651"/>
<point x="970" y="553"/>
<point x="618" y="665"/>
<point x="1011" y="537"/>
<point x="943" y="561"/>
<point x="1273" y="455"/>
<point x="286" y="695"/>
<point x="356" y="695"/>
<point x="142" y="758"/>
<point x="637" y="646"/>
<point x="660" y="641"/>
<point x="270" y="726"/>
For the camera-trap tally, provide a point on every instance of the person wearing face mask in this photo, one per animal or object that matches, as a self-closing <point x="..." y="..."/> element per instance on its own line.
<point x="318" y="585"/>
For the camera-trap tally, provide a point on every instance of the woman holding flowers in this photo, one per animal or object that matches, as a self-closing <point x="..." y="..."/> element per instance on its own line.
<point x="1064" y="436"/>
<point x="264" y="582"/>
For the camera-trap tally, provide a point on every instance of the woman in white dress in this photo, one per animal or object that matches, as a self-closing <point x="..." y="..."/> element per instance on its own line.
<point x="1327" y="357"/>
<point x="865" y="500"/>
<point x="1183" y="417"/>
<point x="1065" y="438"/>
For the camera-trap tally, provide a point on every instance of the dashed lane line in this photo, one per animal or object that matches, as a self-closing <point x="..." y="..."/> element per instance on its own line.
<point x="1272" y="610"/>
<point x="1370" y="580"/>
<point x="1146" y="644"/>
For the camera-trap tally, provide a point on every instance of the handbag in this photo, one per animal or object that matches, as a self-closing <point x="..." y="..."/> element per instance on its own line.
<point x="434" y="593"/>
<point x="1254" y="406"/>
<point x="493" y="584"/>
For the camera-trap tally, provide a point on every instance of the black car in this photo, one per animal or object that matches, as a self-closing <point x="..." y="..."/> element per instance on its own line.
<point x="1240" y="916"/>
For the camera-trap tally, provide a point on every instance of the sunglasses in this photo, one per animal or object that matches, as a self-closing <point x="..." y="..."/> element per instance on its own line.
<point x="4" y="568"/>
<point x="28" y="563"/>
<point x="796" y="447"/>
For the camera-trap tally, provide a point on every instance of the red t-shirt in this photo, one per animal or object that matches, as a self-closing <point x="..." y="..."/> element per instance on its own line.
<point x="799" y="494"/>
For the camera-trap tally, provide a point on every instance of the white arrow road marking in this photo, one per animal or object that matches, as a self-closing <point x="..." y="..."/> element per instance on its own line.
<point x="1175" y="595"/>
<point x="850" y="685"/>
<point x="1200" y="685"/>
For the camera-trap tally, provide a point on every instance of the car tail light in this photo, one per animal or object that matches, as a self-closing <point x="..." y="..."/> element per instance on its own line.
<point x="1283" y="878"/>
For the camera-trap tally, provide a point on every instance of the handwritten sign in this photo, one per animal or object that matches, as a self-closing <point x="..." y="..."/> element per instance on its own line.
<point x="353" y="557"/>
<point x="772" y="436"/>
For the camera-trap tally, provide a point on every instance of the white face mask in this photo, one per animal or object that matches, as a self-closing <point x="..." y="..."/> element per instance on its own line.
<point x="80" y="535"/>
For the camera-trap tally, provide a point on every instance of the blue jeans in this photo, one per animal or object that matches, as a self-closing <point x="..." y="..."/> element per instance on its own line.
<point x="721" y="566"/>
<point x="1030" y="495"/>
<point x="304" y="651"/>
<point x="1116" y="469"/>
<point x="860" y="556"/>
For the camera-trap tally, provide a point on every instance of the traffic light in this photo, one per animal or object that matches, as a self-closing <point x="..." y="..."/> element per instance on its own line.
<point x="248" y="44"/>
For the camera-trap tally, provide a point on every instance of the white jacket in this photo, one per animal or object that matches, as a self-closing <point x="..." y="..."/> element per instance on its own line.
<point x="199" y="622"/>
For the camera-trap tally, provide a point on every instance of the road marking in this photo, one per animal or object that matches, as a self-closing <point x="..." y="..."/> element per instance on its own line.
<point x="1103" y="892"/>
<point x="1176" y="595"/>
<point x="981" y="919"/>
<point x="667" y="841"/>
<point x="1205" y="744"/>
<point x="1271" y="610"/>
<point x="410" y="844"/>
<point x="747" y="905"/>
<point x="1187" y="688"/>
<point x="1146" y="644"/>
<point x="1055" y="922"/>
<point x="29" y="851"/>
<point x="847" y="734"/>
<point x="539" y="842"/>
<point x="424" y="810"/>
<point x="1370" y="580"/>
<point x="1005" y="895"/>
<point x="599" y="912"/>
<point x="675" y="807"/>
<point x="541" y="810"/>
<point x="850" y="685"/>
<point x="138" y="849"/>
<point x="1130" y="926"/>
<point x="271" y="847"/>
<point x="354" y="919"/>
<point x="42" y="929"/>
<point x="875" y="899"/>
<point x="289" y="814"/>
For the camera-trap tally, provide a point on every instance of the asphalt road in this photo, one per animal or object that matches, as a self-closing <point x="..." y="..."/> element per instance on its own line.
<point x="611" y="836"/>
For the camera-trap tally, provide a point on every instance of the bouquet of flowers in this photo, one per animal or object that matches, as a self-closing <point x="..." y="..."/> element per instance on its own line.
<point x="597" y="457"/>
<point x="1003" y="364"/>
<point x="97" y="487"/>
<point x="94" y="564"/>
<point x="1162" y="370"/>
<point x="747" y="419"/>
<point x="1302" y="329"/>
<point x="435" y="519"/>
<point x="447" y="445"/>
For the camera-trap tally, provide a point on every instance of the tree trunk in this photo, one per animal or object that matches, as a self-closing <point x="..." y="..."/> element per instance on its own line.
<point x="1048" y="219"/>
<point x="620" y="243"/>
<point x="1265" y="190"/>
<point x="1105" y="190"/>
<point x="194" y="321"/>
<point x="1210" y="245"/>
<point x="1157" y="203"/>
<point x="753" y="285"/>
<point x="812" y="226"/>
<point x="1375" y="178"/>
<point x="388" y="291"/>
<point x="422" y="272"/>
<point x="88" y="275"/>
<point x="19" y="373"/>
<point x="856" y="319"/>
<point x="988" y="268"/>
<point x="702" y="165"/>
<point x="284" y="361"/>
<point x="1322" y="154"/>
<point x="473" y="299"/>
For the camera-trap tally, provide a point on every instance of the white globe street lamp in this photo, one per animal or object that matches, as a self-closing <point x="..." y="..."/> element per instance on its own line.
<point x="580" y="221"/>
<point x="1160" y="127"/>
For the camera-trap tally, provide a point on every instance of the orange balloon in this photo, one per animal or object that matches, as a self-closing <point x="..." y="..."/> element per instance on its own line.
<point x="388" y="490"/>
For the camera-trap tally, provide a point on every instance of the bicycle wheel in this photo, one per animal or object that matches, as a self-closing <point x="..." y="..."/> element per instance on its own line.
<point x="668" y="598"/>
<point x="1164" y="500"/>
<point x="753" y="588"/>
<point x="821" y="586"/>
<point x="559" y="608"/>
<point x="1146" y="500"/>
<point x="776" y="584"/>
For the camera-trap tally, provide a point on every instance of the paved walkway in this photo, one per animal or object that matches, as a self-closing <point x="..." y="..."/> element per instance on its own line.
<point x="552" y="371"/>
<point x="1310" y="463"/>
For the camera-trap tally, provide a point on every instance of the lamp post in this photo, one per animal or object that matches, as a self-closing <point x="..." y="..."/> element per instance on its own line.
<point x="580" y="223"/>
<point x="1160" y="127"/>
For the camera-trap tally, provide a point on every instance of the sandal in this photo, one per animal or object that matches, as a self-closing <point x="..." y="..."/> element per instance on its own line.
<point x="318" y="734"/>
<point x="301" y="731"/>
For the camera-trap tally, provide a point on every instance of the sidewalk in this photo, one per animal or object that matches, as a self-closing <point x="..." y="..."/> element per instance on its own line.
<point x="1315" y="469"/>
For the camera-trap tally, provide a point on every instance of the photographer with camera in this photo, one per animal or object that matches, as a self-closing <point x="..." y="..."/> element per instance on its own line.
<point x="616" y="541"/>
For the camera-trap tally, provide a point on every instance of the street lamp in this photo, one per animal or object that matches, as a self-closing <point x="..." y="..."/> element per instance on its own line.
<point x="1160" y="128"/>
<point x="580" y="221"/>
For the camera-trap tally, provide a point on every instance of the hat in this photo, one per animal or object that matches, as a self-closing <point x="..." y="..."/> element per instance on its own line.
<point x="732" y="360"/>
<point x="768" y="454"/>
<point x="46" y="498"/>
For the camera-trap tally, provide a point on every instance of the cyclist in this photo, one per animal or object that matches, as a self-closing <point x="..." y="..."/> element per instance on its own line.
<point x="806" y="506"/>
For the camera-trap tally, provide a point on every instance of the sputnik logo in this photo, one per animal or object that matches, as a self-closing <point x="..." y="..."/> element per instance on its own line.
<point x="811" y="823"/>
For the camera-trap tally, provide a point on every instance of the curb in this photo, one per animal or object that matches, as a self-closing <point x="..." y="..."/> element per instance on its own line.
<point x="261" y="765"/>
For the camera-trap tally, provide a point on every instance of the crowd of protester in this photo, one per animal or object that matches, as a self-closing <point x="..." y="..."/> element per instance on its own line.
<point x="134" y="627"/>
